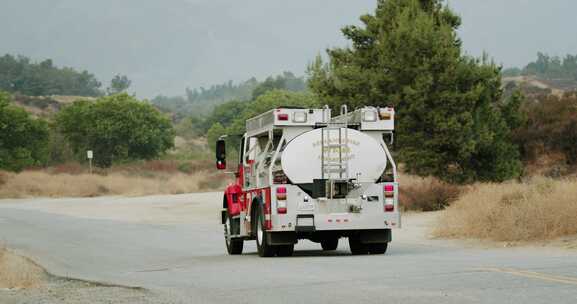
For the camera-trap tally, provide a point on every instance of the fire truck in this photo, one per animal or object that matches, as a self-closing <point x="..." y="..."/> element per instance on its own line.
<point x="304" y="174"/>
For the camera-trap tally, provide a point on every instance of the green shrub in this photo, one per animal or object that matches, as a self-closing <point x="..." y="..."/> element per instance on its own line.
<point x="551" y="127"/>
<point x="568" y="142"/>
<point x="185" y="167"/>
<point x="116" y="128"/>
<point x="23" y="139"/>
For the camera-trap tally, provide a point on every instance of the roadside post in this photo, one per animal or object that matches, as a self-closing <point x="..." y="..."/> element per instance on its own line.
<point x="90" y="155"/>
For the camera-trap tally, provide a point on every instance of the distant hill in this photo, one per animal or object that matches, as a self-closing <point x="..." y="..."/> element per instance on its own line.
<point x="531" y="85"/>
<point x="45" y="106"/>
<point x="554" y="73"/>
<point x="20" y="74"/>
<point x="201" y="101"/>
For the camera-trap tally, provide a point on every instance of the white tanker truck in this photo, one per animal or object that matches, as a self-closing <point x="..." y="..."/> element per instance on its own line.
<point x="303" y="174"/>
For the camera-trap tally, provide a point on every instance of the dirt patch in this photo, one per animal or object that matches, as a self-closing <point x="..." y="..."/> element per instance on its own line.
<point x="63" y="291"/>
<point x="538" y="210"/>
<point x="23" y="281"/>
<point x="17" y="272"/>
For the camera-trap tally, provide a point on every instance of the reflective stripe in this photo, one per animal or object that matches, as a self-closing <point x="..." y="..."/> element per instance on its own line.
<point x="267" y="217"/>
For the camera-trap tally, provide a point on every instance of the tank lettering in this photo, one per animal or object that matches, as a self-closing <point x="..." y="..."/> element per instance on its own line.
<point x="336" y="141"/>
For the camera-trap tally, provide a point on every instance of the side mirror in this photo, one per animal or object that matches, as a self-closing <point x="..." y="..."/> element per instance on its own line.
<point x="221" y="154"/>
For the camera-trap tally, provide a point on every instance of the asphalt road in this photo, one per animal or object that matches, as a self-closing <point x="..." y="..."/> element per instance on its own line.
<point x="173" y="246"/>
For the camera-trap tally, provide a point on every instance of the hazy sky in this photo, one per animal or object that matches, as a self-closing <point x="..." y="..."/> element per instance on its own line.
<point x="167" y="45"/>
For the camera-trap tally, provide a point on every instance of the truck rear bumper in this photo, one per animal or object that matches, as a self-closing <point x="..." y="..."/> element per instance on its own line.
<point x="365" y="236"/>
<point x="336" y="222"/>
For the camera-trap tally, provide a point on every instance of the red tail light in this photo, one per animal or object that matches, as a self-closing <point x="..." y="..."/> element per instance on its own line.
<point x="220" y="165"/>
<point x="281" y="193"/>
<point x="281" y="205"/>
<point x="283" y="117"/>
<point x="389" y="191"/>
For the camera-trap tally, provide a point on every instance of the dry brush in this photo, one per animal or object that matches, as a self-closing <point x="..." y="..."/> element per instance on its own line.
<point x="539" y="209"/>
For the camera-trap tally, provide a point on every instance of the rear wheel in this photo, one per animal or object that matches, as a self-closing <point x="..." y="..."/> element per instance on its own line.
<point x="262" y="245"/>
<point x="357" y="248"/>
<point x="379" y="248"/>
<point x="330" y="244"/>
<point x="233" y="245"/>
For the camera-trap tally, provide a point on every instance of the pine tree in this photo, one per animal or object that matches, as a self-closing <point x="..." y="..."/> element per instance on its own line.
<point x="448" y="105"/>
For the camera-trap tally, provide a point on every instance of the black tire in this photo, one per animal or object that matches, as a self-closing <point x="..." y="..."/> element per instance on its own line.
<point x="262" y="245"/>
<point x="233" y="246"/>
<point x="330" y="244"/>
<point x="357" y="248"/>
<point x="379" y="248"/>
<point x="285" y="250"/>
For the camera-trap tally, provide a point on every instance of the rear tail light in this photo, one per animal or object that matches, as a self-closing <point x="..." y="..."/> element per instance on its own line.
<point x="281" y="193"/>
<point x="389" y="207"/>
<point x="389" y="190"/>
<point x="221" y="165"/>
<point x="283" y="117"/>
<point x="281" y="205"/>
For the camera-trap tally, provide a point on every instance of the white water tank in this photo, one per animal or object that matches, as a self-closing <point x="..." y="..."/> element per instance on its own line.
<point x="301" y="159"/>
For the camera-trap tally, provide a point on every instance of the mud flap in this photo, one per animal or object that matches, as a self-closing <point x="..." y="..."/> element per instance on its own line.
<point x="223" y="216"/>
<point x="375" y="236"/>
<point x="281" y="238"/>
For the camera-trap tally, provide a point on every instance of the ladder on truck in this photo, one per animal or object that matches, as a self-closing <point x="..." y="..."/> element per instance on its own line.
<point x="335" y="152"/>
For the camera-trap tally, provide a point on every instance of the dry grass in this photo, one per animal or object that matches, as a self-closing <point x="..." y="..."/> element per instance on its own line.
<point x="539" y="209"/>
<point x="4" y="176"/>
<point x="44" y="184"/>
<point x="131" y="179"/>
<point x="426" y="194"/>
<point x="18" y="272"/>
